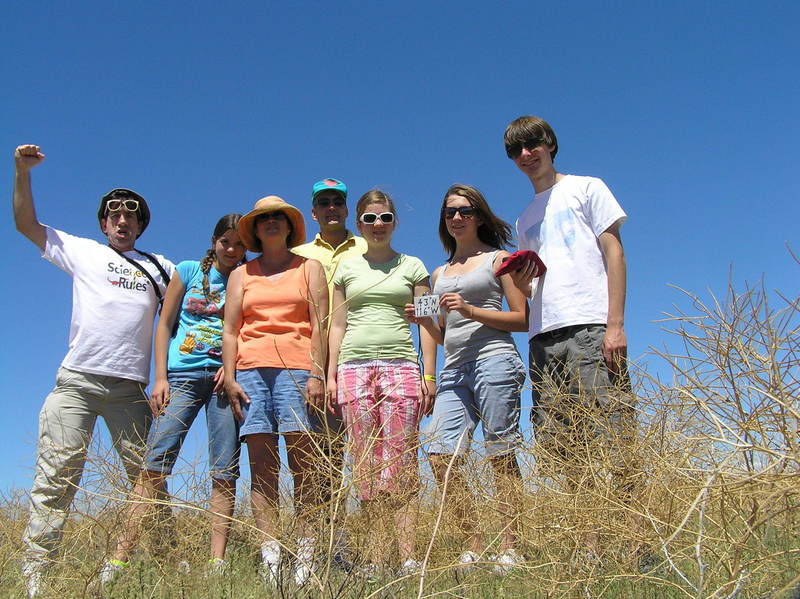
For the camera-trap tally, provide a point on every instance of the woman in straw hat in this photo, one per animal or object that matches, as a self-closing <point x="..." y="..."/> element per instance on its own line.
<point x="274" y="355"/>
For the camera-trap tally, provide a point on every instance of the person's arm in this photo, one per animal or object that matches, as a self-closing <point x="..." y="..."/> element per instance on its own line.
<point x="515" y="319"/>
<point x="318" y="312"/>
<point x="25" y="158"/>
<point x="169" y="312"/>
<point x="338" y="326"/>
<point x="433" y="327"/>
<point x="230" y="342"/>
<point x="428" y="343"/>
<point x="615" y="344"/>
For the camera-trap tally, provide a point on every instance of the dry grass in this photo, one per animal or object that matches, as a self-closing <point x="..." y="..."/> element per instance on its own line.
<point x="715" y="499"/>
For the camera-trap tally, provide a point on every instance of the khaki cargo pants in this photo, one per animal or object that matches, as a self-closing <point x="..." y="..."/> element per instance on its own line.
<point x="66" y="422"/>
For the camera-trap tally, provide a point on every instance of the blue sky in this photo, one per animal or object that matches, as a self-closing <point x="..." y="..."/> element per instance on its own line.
<point x="687" y="110"/>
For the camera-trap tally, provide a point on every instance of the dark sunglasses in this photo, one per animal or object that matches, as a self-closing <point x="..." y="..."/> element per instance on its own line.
<point x="514" y="150"/>
<point x="370" y="218"/>
<point x="327" y="202"/>
<point x="117" y="205"/>
<point x="464" y="211"/>
<point x="277" y="215"/>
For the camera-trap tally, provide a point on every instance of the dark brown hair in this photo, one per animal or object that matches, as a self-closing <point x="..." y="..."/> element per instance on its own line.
<point x="229" y="221"/>
<point x="493" y="231"/>
<point x="525" y="127"/>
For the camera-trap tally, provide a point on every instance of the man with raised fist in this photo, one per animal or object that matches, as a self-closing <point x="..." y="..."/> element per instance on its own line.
<point x="116" y="292"/>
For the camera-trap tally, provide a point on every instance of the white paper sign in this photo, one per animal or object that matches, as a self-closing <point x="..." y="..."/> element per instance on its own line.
<point x="426" y="305"/>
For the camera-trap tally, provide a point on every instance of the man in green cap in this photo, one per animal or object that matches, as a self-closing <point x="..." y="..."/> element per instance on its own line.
<point x="333" y="244"/>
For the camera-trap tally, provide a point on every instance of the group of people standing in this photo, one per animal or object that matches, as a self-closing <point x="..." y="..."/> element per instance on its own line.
<point x="312" y="342"/>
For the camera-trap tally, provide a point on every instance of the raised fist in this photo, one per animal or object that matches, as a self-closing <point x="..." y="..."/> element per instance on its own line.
<point x="27" y="156"/>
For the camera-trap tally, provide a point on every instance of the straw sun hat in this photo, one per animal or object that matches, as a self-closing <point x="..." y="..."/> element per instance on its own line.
<point x="272" y="204"/>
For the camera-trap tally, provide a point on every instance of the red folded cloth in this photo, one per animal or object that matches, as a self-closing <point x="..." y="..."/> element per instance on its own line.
<point x="518" y="259"/>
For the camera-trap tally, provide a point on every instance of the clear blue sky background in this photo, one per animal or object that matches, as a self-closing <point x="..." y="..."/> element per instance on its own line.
<point x="687" y="110"/>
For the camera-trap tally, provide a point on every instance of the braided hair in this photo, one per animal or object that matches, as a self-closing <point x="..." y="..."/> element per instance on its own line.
<point x="229" y="221"/>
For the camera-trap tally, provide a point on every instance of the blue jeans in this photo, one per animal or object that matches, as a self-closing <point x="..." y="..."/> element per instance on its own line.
<point x="277" y="401"/>
<point x="190" y="390"/>
<point x="488" y="391"/>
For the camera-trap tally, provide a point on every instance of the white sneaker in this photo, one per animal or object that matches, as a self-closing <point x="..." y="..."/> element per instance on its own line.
<point x="111" y="569"/>
<point x="370" y="572"/>
<point x="507" y="561"/>
<point x="305" y="560"/>
<point x="32" y="572"/>
<point x="468" y="561"/>
<point x="409" y="568"/>
<point x="216" y="567"/>
<point x="270" y="560"/>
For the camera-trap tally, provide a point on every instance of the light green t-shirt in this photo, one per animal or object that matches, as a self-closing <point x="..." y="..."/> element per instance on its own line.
<point x="376" y="296"/>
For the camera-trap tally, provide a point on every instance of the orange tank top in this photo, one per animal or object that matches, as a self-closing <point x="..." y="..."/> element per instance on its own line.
<point x="276" y="312"/>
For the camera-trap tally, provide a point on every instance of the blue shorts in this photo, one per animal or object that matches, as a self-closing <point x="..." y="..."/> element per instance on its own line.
<point x="190" y="390"/>
<point x="488" y="391"/>
<point x="277" y="401"/>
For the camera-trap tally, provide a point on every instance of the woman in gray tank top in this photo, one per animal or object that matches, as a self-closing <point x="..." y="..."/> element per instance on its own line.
<point x="482" y="378"/>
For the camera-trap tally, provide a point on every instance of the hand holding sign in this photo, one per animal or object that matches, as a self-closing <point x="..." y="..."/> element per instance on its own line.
<point x="426" y="306"/>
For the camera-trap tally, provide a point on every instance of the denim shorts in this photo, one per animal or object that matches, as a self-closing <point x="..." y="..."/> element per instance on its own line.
<point x="485" y="391"/>
<point x="190" y="390"/>
<point x="277" y="401"/>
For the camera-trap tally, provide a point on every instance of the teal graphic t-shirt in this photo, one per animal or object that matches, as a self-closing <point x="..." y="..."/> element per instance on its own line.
<point x="198" y="340"/>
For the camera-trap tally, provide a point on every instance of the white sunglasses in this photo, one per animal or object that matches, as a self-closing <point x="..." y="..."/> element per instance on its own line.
<point x="370" y="218"/>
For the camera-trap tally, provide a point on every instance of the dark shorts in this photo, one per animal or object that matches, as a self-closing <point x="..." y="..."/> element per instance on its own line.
<point x="579" y="406"/>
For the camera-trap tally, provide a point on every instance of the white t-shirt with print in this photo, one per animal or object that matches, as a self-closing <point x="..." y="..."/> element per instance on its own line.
<point x="113" y="306"/>
<point x="563" y="225"/>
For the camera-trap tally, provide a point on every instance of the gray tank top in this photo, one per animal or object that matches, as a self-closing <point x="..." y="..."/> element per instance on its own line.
<point x="466" y="340"/>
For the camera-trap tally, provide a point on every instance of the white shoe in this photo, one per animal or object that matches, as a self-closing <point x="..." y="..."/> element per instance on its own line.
<point x="468" y="561"/>
<point x="370" y="572"/>
<point x="507" y="561"/>
<point x="32" y="572"/>
<point x="216" y="567"/>
<point x="110" y="570"/>
<point x="409" y="568"/>
<point x="270" y="560"/>
<point x="305" y="560"/>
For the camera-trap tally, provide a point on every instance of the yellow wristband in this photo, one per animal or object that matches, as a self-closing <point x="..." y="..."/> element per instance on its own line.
<point x="429" y="377"/>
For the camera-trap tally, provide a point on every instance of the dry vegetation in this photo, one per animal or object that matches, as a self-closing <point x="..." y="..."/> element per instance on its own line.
<point x="715" y="507"/>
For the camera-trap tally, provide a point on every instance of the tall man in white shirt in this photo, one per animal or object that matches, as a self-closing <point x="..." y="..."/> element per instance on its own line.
<point x="116" y="293"/>
<point x="576" y="331"/>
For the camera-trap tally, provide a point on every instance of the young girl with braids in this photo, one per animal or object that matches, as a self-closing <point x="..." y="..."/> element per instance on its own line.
<point x="188" y="377"/>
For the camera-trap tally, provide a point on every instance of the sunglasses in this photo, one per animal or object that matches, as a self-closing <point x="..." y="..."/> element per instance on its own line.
<point x="514" y="150"/>
<point x="327" y="202"/>
<point x="127" y="205"/>
<point x="370" y="218"/>
<point x="277" y="215"/>
<point x="464" y="211"/>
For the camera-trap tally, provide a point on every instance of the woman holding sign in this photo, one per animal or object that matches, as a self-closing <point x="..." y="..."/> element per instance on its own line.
<point x="374" y="375"/>
<point x="483" y="374"/>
